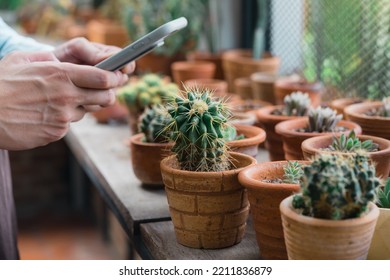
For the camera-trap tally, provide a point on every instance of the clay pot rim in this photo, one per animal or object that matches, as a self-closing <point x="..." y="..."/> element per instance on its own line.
<point x="235" y="157"/>
<point x="136" y="140"/>
<point x="268" y="77"/>
<point x="190" y="65"/>
<point x="258" y="137"/>
<point x="284" y="128"/>
<point x="243" y="102"/>
<point x="264" y="114"/>
<point x="299" y="85"/>
<point x="340" y="102"/>
<point x="308" y="145"/>
<point x="246" y="116"/>
<point x="244" y="56"/>
<point x="357" y="110"/>
<point x="199" y="55"/>
<point x="246" y="176"/>
<point x="287" y="210"/>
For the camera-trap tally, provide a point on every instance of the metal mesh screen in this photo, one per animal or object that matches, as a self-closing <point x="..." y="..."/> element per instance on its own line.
<point x="343" y="43"/>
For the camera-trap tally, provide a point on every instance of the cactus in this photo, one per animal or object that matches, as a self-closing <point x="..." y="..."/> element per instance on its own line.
<point x="337" y="187"/>
<point x="351" y="143"/>
<point x="153" y="122"/>
<point x="197" y="125"/>
<point x="384" y="195"/>
<point x="293" y="172"/>
<point x="148" y="90"/>
<point x="296" y="104"/>
<point x="322" y="120"/>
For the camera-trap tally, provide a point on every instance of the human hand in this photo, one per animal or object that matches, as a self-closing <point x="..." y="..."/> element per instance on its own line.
<point x="40" y="96"/>
<point x="81" y="51"/>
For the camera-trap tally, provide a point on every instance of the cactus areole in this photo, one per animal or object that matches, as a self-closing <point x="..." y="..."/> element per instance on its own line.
<point x="197" y="126"/>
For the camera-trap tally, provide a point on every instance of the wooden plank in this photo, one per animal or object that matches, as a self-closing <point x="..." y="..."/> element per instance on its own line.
<point x="102" y="152"/>
<point x="160" y="242"/>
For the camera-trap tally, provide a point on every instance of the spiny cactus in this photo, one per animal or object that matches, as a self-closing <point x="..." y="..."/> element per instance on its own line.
<point x="197" y="127"/>
<point x="293" y="172"/>
<point x="322" y="120"/>
<point x="153" y="122"/>
<point x="148" y="90"/>
<point x="351" y="143"/>
<point x="384" y="195"/>
<point x="296" y="104"/>
<point x="337" y="187"/>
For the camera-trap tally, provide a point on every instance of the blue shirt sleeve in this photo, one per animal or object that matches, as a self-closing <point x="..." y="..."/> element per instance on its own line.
<point x="10" y="41"/>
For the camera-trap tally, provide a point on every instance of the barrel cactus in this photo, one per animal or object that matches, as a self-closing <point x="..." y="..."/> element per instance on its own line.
<point x="198" y="122"/>
<point x="322" y="120"/>
<point x="337" y="187"/>
<point x="153" y="122"/>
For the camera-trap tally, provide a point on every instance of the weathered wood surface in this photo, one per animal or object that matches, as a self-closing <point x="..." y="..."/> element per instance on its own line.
<point x="159" y="239"/>
<point x="102" y="152"/>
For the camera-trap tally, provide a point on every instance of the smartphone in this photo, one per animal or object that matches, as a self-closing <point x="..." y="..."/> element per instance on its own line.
<point x="142" y="46"/>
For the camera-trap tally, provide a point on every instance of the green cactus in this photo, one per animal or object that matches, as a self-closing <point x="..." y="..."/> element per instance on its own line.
<point x="351" y="143"/>
<point x="293" y="172"/>
<point x="296" y="104"/>
<point x="337" y="187"/>
<point x="384" y="195"/>
<point x="153" y="122"/>
<point x="148" y="90"/>
<point x="322" y="120"/>
<point x="197" y="125"/>
<point x="384" y="111"/>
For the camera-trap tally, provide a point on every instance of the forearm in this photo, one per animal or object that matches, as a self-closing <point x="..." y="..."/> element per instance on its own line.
<point x="12" y="41"/>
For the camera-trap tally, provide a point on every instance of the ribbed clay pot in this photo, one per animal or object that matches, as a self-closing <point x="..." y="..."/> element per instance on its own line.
<point x="208" y="209"/>
<point x="340" y="104"/>
<point x="187" y="70"/>
<point x="371" y="125"/>
<point x="263" y="86"/>
<point x="215" y="58"/>
<point x="292" y="139"/>
<point x="380" y="244"/>
<point x="264" y="199"/>
<point x="381" y="158"/>
<point x="219" y="87"/>
<point x="273" y="142"/>
<point x="288" y="85"/>
<point x="146" y="158"/>
<point x="239" y="63"/>
<point x="243" y="87"/>
<point x="309" y="238"/>
<point x="254" y="136"/>
<point x="243" y="118"/>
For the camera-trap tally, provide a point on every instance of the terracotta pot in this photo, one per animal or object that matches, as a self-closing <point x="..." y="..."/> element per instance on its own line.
<point x="375" y="126"/>
<point x="215" y="58"/>
<point x="116" y="112"/>
<point x="208" y="209"/>
<point x="243" y="118"/>
<point x="380" y="244"/>
<point x="288" y="85"/>
<point x="188" y="70"/>
<point x="243" y="87"/>
<point x="273" y="142"/>
<point x="107" y="32"/>
<point x="248" y="106"/>
<point x="239" y="63"/>
<point x="263" y="86"/>
<point x="309" y="238"/>
<point x="340" y="104"/>
<point x="254" y="136"/>
<point x="219" y="87"/>
<point x="146" y="158"/>
<point x="157" y="63"/>
<point x="292" y="139"/>
<point x="264" y="199"/>
<point x="381" y="158"/>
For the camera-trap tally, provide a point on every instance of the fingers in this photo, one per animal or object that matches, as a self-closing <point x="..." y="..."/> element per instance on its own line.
<point x="90" y="99"/>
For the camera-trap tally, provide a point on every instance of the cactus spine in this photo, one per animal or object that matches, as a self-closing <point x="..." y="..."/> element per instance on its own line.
<point x="296" y="104"/>
<point x="153" y="122"/>
<point x="337" y="187"/>
<point x="196" y="128"/>
<point x="322" y="120"/>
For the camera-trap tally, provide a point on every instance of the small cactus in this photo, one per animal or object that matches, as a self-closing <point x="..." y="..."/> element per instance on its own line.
<point x="385" y="110"/>
<point x="293" y="172"/>
<point x="197" y="127"/>
<point x="153" y="122"/>
<point x="322" y="120"/>
<point x="351" y="143"/>
<point x="384" y="195"/>
<point x="148" y="90"/>
<point x="337" y="187"/>
<point x="296" y="104"/>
